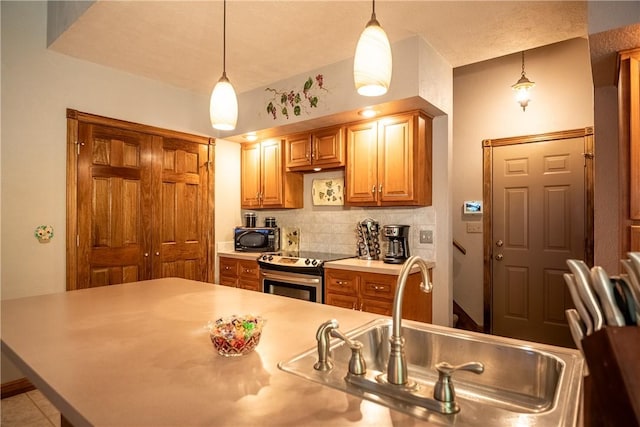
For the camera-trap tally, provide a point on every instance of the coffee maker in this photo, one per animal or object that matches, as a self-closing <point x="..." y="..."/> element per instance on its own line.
<point x="398" y="249"/>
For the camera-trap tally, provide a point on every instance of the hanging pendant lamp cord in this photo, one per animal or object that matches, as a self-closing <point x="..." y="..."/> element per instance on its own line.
<point x="522" y="63"/>
<point x="224" y="37"/>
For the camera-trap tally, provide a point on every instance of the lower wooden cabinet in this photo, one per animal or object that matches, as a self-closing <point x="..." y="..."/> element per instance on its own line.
<point x="240" y="273"/>
<point x="374" y="293"/>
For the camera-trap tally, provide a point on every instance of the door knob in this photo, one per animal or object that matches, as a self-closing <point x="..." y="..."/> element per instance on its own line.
<point x="499" y="243"/>
<point x="499" y="257"/>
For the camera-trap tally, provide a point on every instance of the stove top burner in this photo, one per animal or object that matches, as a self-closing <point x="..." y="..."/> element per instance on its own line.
<point x="299" y="259"/>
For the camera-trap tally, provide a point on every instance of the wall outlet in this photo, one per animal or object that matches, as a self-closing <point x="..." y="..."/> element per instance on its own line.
<point x="426" y="236"/>
<point x="474" y="227"/>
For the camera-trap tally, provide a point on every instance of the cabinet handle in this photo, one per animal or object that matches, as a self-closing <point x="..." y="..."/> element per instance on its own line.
<point x="146" y="254"/>
<point x="379" y="288"/>
<point x="361" y="304"/>
<point x="380" y="189"/>
<point x="353" y="306"/>
<point x="157" y="253"/>
<point x="373" y="189"/>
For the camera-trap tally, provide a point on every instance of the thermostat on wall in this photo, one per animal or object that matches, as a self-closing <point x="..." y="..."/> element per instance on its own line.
<point x="473" y="207"/>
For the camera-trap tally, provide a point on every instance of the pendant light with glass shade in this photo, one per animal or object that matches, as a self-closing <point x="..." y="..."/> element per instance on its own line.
<point x="372" y="61"/>
<point x="223" y="107"/>
<point x="522" y="88"/>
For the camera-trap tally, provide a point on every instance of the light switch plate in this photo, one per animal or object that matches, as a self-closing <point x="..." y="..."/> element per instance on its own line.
<point x="474" y="227"/>
<point x="426" y="236"/>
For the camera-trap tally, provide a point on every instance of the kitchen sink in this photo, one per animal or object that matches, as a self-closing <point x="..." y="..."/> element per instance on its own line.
<point x="523" y="383"/>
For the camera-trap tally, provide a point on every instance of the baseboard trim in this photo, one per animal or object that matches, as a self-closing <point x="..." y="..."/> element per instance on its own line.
<point x="15" y="387"/>
<point x="464" y="320"/>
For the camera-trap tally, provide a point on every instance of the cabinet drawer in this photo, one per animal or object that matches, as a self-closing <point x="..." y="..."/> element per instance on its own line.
<point x="228" y="267"/>
<point x="248" y="270"/>
<point x="344" y="301"/>
<point x="341" y="281"/>
<point x="378" y="285"/>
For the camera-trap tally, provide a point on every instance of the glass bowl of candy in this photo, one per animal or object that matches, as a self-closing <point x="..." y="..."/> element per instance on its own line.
<point x="236" y="335"/>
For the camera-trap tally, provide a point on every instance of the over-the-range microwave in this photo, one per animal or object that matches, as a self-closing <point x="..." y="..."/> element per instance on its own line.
<point x="258" y="239"/>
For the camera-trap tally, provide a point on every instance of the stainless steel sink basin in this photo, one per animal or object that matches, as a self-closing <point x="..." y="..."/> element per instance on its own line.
<point x="523" y="383"/>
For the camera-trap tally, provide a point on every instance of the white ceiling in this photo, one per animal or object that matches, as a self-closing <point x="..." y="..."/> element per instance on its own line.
<point x="180" y="42"/>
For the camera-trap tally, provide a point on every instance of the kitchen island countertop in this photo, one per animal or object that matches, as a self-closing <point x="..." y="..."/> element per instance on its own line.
<point x="138" y="354"/>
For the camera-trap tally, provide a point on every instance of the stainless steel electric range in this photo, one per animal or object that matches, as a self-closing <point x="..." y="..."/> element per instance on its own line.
<point x="296" y="274"/>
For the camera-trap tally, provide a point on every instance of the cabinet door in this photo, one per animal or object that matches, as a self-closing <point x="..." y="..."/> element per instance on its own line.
<point x="328" y="148"/>
<point x="271" y="173"/>
<point x="180" y="208"/>
<point x="395" y="159"/>
<point x="362" y="159"/>
<point x="114" y="224"/>
<point x="298" y="148"/>
<point x="250" y="175"/>
<point x="382" y="307"/>
<point x="344" y="301"/>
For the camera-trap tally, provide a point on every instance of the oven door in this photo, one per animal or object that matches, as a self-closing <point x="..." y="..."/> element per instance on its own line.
<point x="294" y="285"/>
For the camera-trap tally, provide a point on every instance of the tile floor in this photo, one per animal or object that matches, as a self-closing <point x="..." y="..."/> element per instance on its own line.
<point x="30" y="409"/>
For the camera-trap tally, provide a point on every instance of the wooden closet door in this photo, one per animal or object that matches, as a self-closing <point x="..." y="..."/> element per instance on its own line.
<point x="114" y="184"/>
<point x="180" y="209"/>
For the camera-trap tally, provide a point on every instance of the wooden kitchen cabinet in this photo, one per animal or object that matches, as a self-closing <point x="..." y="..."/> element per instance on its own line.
<point x="320" y="149"/>
<point x="389" y="161"/>
<point x="265" y="182"/>
<point x="139" y="203"/>
<point x="240" y="273"/>
<point x="374" y="293"/>
<point x="629" y="150"/>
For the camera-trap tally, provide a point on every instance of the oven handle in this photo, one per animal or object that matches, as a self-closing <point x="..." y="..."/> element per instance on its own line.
<point x="289" y="279"/>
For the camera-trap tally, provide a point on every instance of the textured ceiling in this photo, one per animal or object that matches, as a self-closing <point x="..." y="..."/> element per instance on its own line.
<point x="180" y="42"/>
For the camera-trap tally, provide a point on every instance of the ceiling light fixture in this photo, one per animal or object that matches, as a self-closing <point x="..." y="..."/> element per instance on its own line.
<point x="368" y="113"/>
<point x="372" y="61"/>
<point x="523" y="87"/>
<point x="251" y="137"/>
<point x="223" y="107"/>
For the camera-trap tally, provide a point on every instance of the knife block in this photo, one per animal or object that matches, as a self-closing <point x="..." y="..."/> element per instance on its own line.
<point x="612" y="388"/>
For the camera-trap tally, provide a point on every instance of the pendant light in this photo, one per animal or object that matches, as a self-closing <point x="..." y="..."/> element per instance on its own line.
<point x="522" y="88"/>
<point x="223" y="108"/>
<point x="372" y="61"/>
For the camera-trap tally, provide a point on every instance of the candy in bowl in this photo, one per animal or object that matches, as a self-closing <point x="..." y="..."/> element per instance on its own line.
<point x="236" y="335"/>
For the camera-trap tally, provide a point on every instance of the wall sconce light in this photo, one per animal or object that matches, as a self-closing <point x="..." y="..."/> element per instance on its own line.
<point x="523" y="87"/>
<point x="223" y="107"/>
<point x="372" y="61"/>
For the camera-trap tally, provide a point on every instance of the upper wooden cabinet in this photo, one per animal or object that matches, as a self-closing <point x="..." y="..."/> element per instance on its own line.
<point x="321" y="149"/>
<point x="265" y="183"/>
<point x="389" y="161"/>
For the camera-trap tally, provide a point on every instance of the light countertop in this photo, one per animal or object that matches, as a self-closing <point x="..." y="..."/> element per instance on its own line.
<point x="239" y="255"/>
<point x="138" y="354"/>
<point x="354" y="264"/>
<point x="371" y="266"/>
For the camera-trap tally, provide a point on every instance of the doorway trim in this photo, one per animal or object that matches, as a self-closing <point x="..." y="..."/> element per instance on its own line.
<point x="487" y="196"/>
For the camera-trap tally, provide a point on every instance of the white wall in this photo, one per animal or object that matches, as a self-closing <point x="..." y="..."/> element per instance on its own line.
<point x="37" y="87"/>
<point x="484" y="108"/>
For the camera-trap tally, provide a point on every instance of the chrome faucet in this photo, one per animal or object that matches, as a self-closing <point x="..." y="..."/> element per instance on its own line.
<point x="397" y="366"/>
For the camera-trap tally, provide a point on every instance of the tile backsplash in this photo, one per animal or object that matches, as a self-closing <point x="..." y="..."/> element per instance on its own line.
<point x="333" y="228"/>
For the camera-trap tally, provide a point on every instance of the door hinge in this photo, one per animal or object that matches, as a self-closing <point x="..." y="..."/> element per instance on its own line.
<point x="588" y="155"/>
